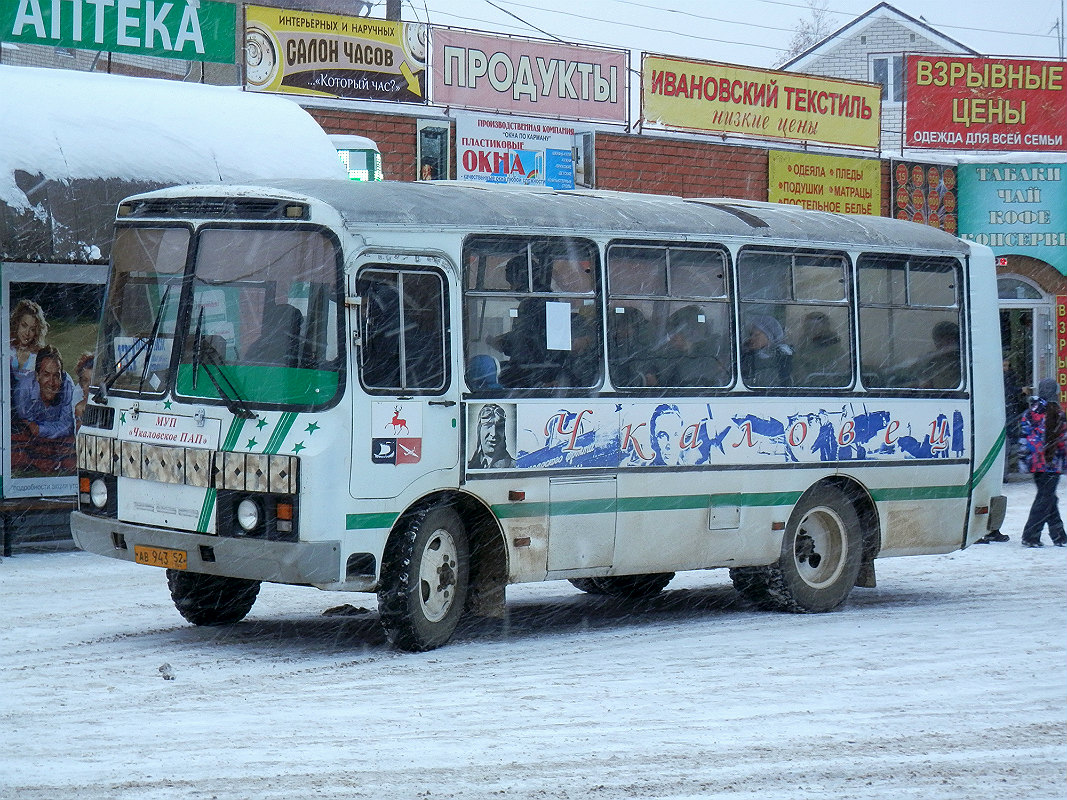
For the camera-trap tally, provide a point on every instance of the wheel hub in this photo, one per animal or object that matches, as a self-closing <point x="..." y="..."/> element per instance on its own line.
<point x="819" y="550"/>
<point x="437" y="575"/>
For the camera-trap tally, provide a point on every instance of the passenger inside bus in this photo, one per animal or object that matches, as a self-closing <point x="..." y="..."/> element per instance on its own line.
<point x="689" y="356"/>
<point x="483" y="373"/>
<point x="941" y="369"/>
<point x="632" y="359"/>
<point x="820" y="357"/>
<point x="766" y="358"/>
<point x="279" y="340"/>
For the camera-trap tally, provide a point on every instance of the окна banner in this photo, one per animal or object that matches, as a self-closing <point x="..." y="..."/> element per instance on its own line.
<point x="299" y="52"/>
<point x="706" y="96"/>
<point x="963" y="103"/>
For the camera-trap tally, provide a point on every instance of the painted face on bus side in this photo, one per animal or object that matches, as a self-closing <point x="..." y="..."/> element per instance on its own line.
<point x="50" y="380"/>
<point x="491" y="430"/>
<point x="667" y="437"/>
<point x="28" y="330"/>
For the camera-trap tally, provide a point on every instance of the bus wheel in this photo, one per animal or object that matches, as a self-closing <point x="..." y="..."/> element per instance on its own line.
<point x="211" y="599"/>
<point x="634" y="587"/>
<point x="820" y="560"/>
<point x="425" y="569"/>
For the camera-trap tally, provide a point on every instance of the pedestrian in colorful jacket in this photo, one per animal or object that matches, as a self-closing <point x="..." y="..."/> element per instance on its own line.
<point x="1045" y="429"/>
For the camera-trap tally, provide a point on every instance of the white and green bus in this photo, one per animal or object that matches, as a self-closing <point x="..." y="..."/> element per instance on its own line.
<point x="430" y="391"/>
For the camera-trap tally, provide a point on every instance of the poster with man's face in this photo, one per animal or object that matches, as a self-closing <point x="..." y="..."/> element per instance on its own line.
<point x="52" y="326"/>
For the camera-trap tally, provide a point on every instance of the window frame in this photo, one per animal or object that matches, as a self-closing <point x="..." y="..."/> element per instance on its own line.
<point x="536" y="247"/>
<point x="846" y="302"/>
<point x="957" y="269"/>
<point x="679" y="302"/>
<point x="443" y="318"/>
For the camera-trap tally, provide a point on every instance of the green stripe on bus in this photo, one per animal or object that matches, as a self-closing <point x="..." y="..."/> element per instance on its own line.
<point x="920" y="493"/>
<point x="360" y="522"/>
<point x="233" y="434"/>
<point x="285" y="424"/>
<point x="989" y="459"/>
<point x="205" y="511"/>
<point x="625" y="505"/>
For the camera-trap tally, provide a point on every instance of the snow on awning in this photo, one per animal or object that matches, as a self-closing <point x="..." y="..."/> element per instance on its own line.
<point x="66" y="126"/>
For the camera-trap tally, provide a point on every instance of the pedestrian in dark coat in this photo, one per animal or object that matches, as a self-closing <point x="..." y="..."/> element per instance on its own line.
<point x="1045" y="429"/>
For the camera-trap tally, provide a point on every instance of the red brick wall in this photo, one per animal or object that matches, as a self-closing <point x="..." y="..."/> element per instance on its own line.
<point x="632" y="163"/>
<point x="395" y="135"/>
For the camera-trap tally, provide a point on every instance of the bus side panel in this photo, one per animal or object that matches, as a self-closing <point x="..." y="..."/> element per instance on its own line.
<point x="987" y="381"/>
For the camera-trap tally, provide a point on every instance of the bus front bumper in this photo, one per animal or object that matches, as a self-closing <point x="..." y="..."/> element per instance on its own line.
<point x="254" y="559"/>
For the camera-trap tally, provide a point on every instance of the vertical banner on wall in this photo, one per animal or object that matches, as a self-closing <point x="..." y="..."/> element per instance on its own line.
<point x="825" y="183"/>
<point x="53" y="312"/>
<point x="925" y="193"/>
<point x="528" y="152"/>
<point x="1061" y="346"/>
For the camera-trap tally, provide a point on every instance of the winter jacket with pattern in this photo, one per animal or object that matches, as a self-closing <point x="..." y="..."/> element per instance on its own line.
<point x="1045" y="429"/>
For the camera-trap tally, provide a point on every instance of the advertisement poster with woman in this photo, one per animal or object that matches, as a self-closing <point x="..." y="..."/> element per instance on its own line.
<point x="51" y="336"/>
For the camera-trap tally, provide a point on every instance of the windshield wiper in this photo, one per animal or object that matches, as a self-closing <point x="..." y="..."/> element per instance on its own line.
<point x="206" y="352"/>
<point x="143" y="343"/>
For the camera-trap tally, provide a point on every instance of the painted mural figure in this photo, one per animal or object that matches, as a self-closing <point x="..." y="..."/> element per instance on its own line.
<point x="666" y="427"/>
<point x="492" y="450"/>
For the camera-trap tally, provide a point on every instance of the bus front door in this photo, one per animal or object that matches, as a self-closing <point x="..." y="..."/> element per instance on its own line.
<point x="406" y="415"/>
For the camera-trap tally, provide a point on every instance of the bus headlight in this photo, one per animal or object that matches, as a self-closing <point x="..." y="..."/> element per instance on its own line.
<point x="98" y="493"/>
<point x="248" y="515"/>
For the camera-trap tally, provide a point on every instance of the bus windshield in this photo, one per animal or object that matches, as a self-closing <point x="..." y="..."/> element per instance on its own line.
<point x="137" y="335"/>
<point x="263" y="319"/>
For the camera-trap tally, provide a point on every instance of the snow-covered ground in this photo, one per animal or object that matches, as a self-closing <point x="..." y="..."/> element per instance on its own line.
<point x="949" y="680"/>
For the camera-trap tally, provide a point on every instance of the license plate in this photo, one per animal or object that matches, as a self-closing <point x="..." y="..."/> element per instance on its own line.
<point x="160" y="557"/>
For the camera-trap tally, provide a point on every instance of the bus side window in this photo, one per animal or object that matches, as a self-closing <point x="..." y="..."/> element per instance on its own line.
<point x="668" y="317"/>
<point x="402" y="331"/>
<point x="909" y="322"/>
<point x="795" y="319"/>
<point x="529" y="304"/>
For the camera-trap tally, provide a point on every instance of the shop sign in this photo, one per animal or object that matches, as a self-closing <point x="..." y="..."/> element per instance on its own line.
<point x="925" y="193"/>
<point x="1016" y="209"/>
<point x="825" y="183"/>
<point x="1005" y="104"/>
<point x="526" y="76"/>
<point x="723" y="98"/>
<point x="193" y="30"/>
<point x="326" y="55"/>
<point x="516" y="150"/>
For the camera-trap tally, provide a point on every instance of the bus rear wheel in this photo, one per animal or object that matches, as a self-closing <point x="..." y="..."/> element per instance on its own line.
<point x="820" y="558"/>
<point x="425" y="573"/>
<point x="211" y="599"/>
<point x="635" y="587"/>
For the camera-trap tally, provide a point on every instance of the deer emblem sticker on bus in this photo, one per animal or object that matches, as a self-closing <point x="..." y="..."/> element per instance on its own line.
<point x="396" y="433"/>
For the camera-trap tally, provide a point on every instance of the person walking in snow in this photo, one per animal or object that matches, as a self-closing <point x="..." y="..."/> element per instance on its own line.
<point x="1045" y="430"/>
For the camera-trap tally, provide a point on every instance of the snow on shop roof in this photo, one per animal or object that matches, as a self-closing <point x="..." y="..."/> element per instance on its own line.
<point x="65" y="126"/>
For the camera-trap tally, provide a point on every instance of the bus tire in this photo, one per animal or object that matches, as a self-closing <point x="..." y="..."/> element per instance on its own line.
<point x="211" y="599"/>
<point x="821" y="556"/>
<point x="634" y="587"/>
<point x="424" y="580"/>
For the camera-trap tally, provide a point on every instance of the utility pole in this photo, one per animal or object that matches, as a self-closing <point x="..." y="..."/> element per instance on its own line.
<point x="392" y="9"/>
